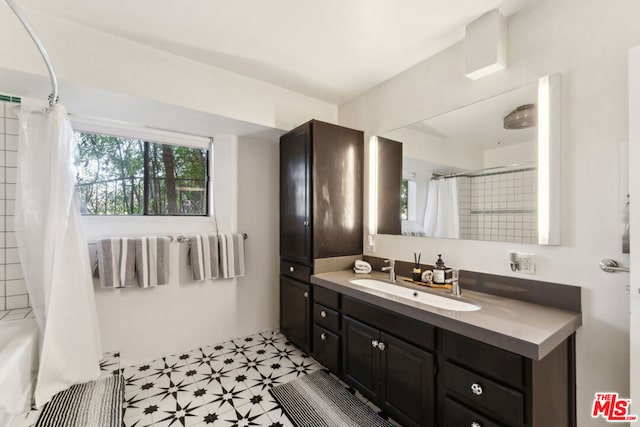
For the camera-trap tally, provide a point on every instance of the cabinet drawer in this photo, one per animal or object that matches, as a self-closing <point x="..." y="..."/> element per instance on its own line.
<point x="326" y="348"/>
<point x="326" y="317"/>
<point x="411" y="330"/>
<point x="297" y="271"/>
<point x="493" y="362"/>
<point x="456" y="415"/>
<point x="497" y="401"/>
<point x="326" y="297"/>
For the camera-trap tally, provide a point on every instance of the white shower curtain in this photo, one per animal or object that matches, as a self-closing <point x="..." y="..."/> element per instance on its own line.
<point x="53" y="251"/>
<point x="442" y="218"/>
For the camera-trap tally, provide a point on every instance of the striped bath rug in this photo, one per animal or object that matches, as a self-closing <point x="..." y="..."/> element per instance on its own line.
<point x="319" y="400"/>
<point x="93" y="404"/>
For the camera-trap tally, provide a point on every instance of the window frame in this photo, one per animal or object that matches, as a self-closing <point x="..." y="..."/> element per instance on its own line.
<point x="150" y="135"/>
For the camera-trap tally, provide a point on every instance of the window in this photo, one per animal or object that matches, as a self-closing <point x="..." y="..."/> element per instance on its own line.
<point x="129" y="176"/>
<point x="404" y="199"/>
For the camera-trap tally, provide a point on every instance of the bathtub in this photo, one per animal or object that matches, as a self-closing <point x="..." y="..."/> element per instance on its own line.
<point x="18" y="367"/>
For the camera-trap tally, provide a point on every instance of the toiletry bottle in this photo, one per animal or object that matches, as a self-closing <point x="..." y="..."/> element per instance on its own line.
<point x="438" y="271"/>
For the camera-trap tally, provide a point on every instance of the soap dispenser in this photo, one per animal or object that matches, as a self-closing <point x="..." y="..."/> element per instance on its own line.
<point x="439" y="271"/>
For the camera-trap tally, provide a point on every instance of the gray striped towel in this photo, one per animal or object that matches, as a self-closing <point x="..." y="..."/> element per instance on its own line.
<point x="152" y="261"/>
<point x="232" y="255"/>
<point x="203" y="254"/>
<point x="116" y="262"/>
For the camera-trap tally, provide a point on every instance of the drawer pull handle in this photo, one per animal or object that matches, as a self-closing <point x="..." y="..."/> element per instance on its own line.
<point x="323" y="336"/>
<point x="476" y="389"/>
<point x="374" y="343"/>
<point x="476" y="424"/>
<point x="291" y="269"/>
<point x="381" y="346"/>
<point x="306" y="223"/>
<point x="306" y="294"/>
<point x="323" y="313"/>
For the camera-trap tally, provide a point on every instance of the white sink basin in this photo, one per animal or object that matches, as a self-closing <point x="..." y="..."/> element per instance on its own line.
<point x="401" y="293"/>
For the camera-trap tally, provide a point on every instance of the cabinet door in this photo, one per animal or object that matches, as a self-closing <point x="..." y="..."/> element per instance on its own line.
<point x="295" y="311"/>
<point x="295" y="200"/>
<point x="361" y="367"/>
<point x="408" y="382"/>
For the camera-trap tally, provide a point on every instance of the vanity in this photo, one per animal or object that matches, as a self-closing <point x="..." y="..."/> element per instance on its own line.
<point x="502" y="354"/>
<point x="508" y="363"/>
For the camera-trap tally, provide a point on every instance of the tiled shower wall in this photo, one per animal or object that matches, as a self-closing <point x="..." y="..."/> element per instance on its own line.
<point x="13" y="291"/>
<point x="500" y="207"/>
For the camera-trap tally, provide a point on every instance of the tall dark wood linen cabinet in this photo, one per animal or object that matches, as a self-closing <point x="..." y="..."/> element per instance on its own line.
<point x="321" y="186"/>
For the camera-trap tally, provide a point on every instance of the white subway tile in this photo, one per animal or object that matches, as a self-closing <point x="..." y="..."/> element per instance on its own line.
<point x="9" y="191"/>
<point x="12" y="256"/>
<point x="10" y="175"/>
<point x="10" y="240"/>
<point x="1" y="293"/>
<point x="11" y="126"/>
<point x="2" y="140"/>
<point x="11" y="142"/>
<point x="1" y="125"/>
<point x="11" y="110"/>
<point x="9" y="223"/>
<point x="16" y="287"/>
<point x="17" y="301"/>
<point x="10" y="207"/>
<point x="2" y="109"/>
<point x="14" y="272"/>
<point x="11" y="158"/>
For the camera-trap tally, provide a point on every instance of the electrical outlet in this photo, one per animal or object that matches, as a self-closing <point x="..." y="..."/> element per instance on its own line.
<point x="528" y="263"/>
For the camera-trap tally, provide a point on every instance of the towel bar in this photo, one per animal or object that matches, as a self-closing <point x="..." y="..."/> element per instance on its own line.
<point x="184" y="239"/>
<point x="95" y="242"/>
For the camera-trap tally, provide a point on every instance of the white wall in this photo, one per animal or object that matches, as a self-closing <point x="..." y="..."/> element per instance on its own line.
<point x="148" y="323"/>
<point x="96" y="59"/>
<point x="587" y="42"/>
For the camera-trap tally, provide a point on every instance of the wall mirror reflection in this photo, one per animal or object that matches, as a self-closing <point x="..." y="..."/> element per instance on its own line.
<point x="485" y="171"/>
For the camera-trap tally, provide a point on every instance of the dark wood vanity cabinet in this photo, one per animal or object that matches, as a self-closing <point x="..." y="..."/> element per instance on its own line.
<point x="489" y="386"/>
<point x="327" y="329"/>
<point x="394" y="373"/>
<point x="426" y="376"/>
<point x="321" y="185"/>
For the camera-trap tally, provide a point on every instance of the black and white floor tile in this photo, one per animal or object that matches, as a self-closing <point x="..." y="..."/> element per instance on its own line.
<point x="224" y="384"/>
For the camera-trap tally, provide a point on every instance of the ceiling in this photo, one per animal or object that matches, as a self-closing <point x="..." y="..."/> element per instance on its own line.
<point x="332" y="50"/>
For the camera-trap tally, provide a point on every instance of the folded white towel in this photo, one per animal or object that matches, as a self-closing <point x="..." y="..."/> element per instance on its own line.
<point x="152" y="261"/>
<point x="116" y="262"/>
<point x="362" y="267"/>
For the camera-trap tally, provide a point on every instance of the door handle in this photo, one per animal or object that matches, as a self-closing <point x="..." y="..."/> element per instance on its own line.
<point x="381" y="346"/>
<point x="374" y="343"/>
<point x="306" y="294"/>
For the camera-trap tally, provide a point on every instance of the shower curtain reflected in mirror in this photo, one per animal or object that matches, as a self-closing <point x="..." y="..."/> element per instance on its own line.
<point x="442" y="216"/>
<point x="53" y="251"/>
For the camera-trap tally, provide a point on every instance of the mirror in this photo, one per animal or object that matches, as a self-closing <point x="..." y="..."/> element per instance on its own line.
<point x="485" y="171"/>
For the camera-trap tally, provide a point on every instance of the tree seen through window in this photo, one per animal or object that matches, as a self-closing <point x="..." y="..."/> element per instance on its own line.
<point x="127" y="176"/>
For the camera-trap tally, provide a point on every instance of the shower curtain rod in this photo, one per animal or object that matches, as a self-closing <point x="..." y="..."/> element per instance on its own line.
<point x="53" y="98"/>
<point x="473" y="173"/>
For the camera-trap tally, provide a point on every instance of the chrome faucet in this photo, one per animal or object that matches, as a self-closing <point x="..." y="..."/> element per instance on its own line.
<point x="391" y="269"/>
<point x="455" y="283"/>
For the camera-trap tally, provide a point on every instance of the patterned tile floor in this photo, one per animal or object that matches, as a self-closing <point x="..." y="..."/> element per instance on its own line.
<point x="220" y="385"/>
